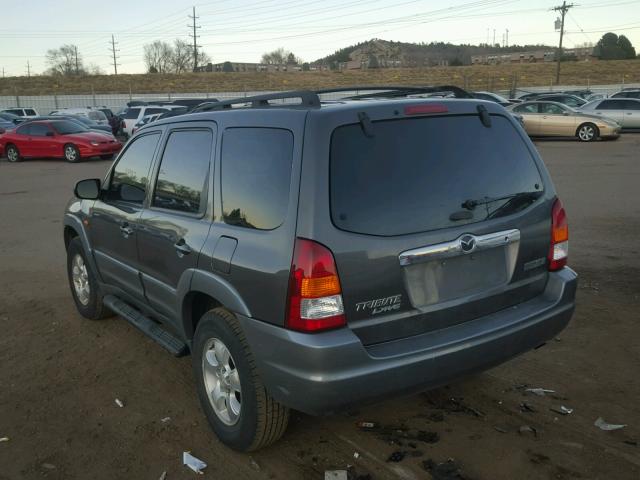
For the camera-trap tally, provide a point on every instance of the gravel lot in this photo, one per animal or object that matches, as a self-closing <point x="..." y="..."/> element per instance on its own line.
<point x="60" y="374"/>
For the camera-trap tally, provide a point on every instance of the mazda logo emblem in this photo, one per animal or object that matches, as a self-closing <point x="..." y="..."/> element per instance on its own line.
<point x="468" y="243"/>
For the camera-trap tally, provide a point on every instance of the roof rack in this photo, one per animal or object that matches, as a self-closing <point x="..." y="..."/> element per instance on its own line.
<point x="396" y="91"/>
<point x="307" y="100"/>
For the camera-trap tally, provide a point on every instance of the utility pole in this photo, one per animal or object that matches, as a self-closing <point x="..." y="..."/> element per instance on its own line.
<point x="28" y="70"/>
<point x="195" y="39"/>
<point x="494" y="37"/>
<point x="507" y="37"/>
<point x="75" y="49"/>
<point x="113" y="51"/>
<point x="563" y="9"/>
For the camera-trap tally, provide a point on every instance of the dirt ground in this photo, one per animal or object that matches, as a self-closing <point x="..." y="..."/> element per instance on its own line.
<point x="60" y="374"/>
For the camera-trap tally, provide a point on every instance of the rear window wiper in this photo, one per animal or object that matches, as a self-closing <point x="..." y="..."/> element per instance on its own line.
<point x="470" y="204"/>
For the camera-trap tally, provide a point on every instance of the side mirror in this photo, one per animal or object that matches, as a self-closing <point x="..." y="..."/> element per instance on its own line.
<point x="50" y="134"/>
<point x="87" y="189"/>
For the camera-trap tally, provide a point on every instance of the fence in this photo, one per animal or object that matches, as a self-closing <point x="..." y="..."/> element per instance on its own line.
<point x="46" y="103"/>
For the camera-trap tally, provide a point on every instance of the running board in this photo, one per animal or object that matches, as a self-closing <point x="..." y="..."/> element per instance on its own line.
<point x="152" y="329"/>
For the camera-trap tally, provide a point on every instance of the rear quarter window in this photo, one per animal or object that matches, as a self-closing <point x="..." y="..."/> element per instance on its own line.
<point x="131" y="113"/>
<point x="414" y="173"/>
<point x="255" y="174"/>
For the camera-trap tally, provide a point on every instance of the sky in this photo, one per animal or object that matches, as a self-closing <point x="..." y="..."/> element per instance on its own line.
<point x="242" y="30"/>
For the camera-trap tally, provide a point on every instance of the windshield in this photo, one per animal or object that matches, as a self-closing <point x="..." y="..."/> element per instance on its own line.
<point x="67" y="127"/>
<point x="96" y="115"/>
<point x="413" y="174"/>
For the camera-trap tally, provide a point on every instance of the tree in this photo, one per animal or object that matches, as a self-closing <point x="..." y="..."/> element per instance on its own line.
<point x="373" y="62"/>
<point x="65" y="60"/>
<point x="158" y="56"/>
<point x="277" y="57"/>
<point x="203" y="58"/>
<point x="181" y="57"/>
<point x="305" y="67"/>
<point x="94" y="69"/>
<point x="614" y="47"/>
<point x="227" y="67"/>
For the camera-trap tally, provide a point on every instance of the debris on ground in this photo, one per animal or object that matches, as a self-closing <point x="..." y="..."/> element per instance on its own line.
<point x="500" y="429"/>
<point x="48" y="466"/>
<point x="165" y="419"/>
<point x="602" y="425"/>
<point x="397" y="456"/>
<point x="254" y="464"/>
<point x="367" y="425"/>
<point x="335" y="475"/>
<point x="456" y="405"/>
<point x="193" y="463"/>
<point x="163" y="476"/>
<point x="356" y="455"/>
<point x="561" y="409"/>
<point x="541" y="392"/>
<point x="4" y="439"/>
<point x="524" y="429"/>
<point x="436" y="417"/>
<point x="633" y="443"/>
<point x="449" y="470"/>
<point x="527" y="408"/>
<point x="119" y="402"/>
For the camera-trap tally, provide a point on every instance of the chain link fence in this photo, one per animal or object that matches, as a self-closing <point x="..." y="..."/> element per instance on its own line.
<point x="46" y="103"/>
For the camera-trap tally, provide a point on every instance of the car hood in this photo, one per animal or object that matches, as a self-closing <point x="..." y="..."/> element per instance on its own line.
<point x="89" y="137"/>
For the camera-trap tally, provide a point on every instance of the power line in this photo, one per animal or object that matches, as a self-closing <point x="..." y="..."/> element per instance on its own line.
<point x="563" y="9"/>
<point x="113" y="51"/>
<point x="195" y="39"/>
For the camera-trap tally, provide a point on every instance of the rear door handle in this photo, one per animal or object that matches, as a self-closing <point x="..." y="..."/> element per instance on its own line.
<point x="182" y="248"/>
<point x="126" y="230"/>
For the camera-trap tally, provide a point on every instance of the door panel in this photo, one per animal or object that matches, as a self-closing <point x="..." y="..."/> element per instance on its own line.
<point x="113" y="222"/>
<point x="176" y="225"/>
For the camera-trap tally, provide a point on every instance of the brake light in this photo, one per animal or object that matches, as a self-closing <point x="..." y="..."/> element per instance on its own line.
<point x="315" y="295"/>
<point x="559" y="249"/>
<point x="425" y="108"/>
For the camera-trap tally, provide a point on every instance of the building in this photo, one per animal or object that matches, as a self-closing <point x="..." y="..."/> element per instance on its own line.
<point x="248" y="67"/>
<point x="536" y="56"/>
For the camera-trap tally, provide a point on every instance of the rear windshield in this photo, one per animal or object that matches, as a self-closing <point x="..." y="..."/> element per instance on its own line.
<point x="96" y="115"/>
<point x="65" y="127"/>
<point x="413" y="174"/>
<point x="131" y="113"/>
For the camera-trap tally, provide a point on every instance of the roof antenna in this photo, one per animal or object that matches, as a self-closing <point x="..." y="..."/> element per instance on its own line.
<point x="484" y="115"/>
<point x="365" y="123"/>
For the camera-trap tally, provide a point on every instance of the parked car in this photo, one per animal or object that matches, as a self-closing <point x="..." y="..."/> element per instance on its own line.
<point x="10" y="117"/>
<point x="572" y="101"/>
<point x="6" y="125"/>
<point x="85" y="121"/>
<point x="21" y="112"/>
<point x="315" y="278"/>
<point x="132" y="115"/>
<point x="553" y="119"/>
<point x="527" y="97"/>
<point x="96" y="116"/>
<point x="144" y="121"/>
<point x="627" y="93"/>
<point x="492" y="97"/>
<point x="56" y="139"/>
<point x="625" y="111"/>
<point x="174" y="112"/>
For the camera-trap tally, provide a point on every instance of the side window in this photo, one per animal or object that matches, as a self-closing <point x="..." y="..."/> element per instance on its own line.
<point x="151" y="111"/>
<point x="30" y="111"/>
<point x="24" y="130"/>
<point x="130" y="175"/>
<point x="16" y="111"/>
<point x="39" y="130"/>
<point x="608" y="105"/>
<point x="572" y="102"/>
<point x="551" y="109"/>
<point x="184" y="169"/>
<point x="631" y="105"/>
<point x="256" y="173"/>
<point x="531" y="108"/>
<point x="131" y="113"/>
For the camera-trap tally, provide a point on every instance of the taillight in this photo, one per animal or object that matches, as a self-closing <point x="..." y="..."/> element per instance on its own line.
<point x="315" y="296"/>
<point x="559" y="249"/>
<point x="425" y="108"/>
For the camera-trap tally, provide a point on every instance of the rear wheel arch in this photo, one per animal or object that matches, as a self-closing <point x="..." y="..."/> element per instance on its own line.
<point x="194" y="305"/>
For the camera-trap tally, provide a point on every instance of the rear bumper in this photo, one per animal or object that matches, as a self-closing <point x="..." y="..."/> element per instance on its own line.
<point x="321" y="373"/>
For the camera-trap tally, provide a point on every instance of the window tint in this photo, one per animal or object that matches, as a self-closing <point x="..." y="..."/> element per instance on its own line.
<point x="39" y="129"/>
<point x="24" y="130"/>
<point x="151" y="111"/>
<point x="131" y="113"/>
<point x="16" y="111"/>
<point x="184" y="171"/>
<point x="129" y="177"/>
<point x="30" y="111"/>
<point x="531" y="108"/>
<point x="256" y="172"/>
<point x="609" y="105"/>
<point x="631" y="105"/>
<point x="551" y="109"/>
<point x="67" y="127"/>
<point x="413" y="174"/>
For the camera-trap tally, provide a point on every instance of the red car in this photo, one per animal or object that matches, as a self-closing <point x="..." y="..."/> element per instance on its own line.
<point x="56" y="139"/>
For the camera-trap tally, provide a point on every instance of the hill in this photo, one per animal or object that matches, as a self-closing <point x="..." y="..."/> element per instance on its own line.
<point x="474" y="77"/>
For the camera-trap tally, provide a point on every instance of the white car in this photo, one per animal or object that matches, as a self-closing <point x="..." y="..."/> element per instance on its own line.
<point x="144" y="120"/>
<point x="95" y="115"/>
<point x="132" y="115"/>
<point x="22" y="112"/>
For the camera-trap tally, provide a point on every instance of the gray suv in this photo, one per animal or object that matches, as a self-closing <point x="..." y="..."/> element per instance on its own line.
<point x="312" y="254"/>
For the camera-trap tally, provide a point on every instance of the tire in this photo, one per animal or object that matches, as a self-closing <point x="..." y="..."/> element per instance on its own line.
<point x="587" y="132"/>
<point x="253" y="420"/>
<point x="71" y="153"/>
<point x="12" y="153"/>
<point x="88" y="300"/>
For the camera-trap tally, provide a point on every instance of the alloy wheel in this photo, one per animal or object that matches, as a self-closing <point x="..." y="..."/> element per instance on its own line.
<point x="222" y="381"/>
<point x="80" y="278"/>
